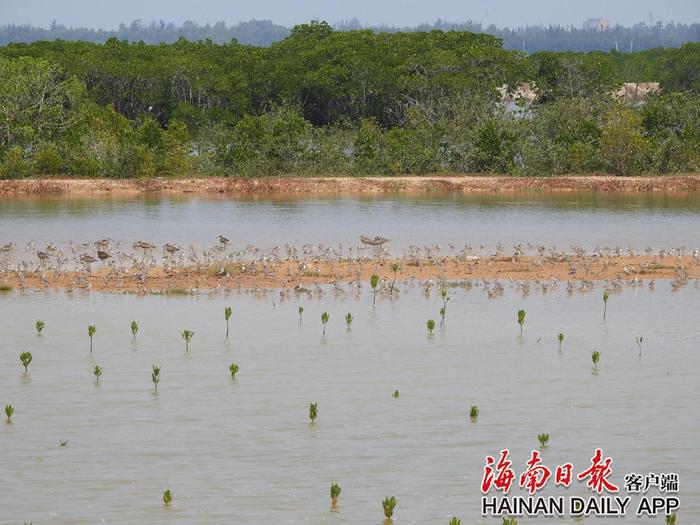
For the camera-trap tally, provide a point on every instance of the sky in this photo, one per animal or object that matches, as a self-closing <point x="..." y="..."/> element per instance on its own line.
<point x="108" y="14"/>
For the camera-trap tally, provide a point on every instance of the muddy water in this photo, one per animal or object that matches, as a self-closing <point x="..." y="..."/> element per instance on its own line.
<point x="243" y="451"/>
<point x="551" y="219"/>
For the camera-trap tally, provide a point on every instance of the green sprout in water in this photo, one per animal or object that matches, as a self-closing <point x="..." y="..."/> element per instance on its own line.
<point x="9" y="410"/>
<point x="474" y="412"/>
<point x="227" y="316"/>
<point x="543" y="439"/>
<point x="373" y="282"/>
<point x="167" y="497"/>
<point x="443" y="310"/>
<point x="348" y="320"/>
<point x="39" y="326"/>
<point x="134" y="329"/>
<point x="639" y="344"/>
<point x="91" y="332"/>
<point x="155" y="376"/>
<point x="313" y="412"/>
<point x="63" y="443"/>
<point x="595" y="357"/>
<point x="396" y="393"/>
<point x="671" y="519"/>
<point x="394" y="268"/>
<point x="521" y="320"/>
<point x="234" y="370"/>
<point x="560" y="338"/>
<point x="455" y="521"/>
<point x="388" y="504"/>
<point x="97" y="372"/>
<point x="431" y="326"/>
<point x="510" y="521"/>
<point x="187" y="336"/>
<point x="324" y="320"/>
<point x="26" y="358"/>
<point x="606" y="296"/>
<point x="335" y="492"/>
<point x="301" y="311"/>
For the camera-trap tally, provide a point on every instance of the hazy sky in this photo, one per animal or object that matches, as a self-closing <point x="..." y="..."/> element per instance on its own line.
<point x="108" y="13"/>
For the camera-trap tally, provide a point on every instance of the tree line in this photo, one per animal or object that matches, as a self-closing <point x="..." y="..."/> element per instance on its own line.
<point x="323" y="101"/>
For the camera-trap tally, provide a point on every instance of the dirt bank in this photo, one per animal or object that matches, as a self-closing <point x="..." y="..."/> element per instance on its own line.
<point x="347" y="185"/>
<point x="291" y="273"/>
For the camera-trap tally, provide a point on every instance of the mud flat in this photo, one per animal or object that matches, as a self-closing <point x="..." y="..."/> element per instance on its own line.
<point x="348" y="185"/>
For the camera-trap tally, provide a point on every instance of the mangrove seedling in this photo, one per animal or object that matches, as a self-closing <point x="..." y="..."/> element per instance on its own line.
<point x="134" y="329"/>
<point x="396" y="393"/>
<point x="39" y="327"/>
<point x="26" y="358"/>
<point x="560" y="338"/>
<point x="443" y="310"/>
<point x="474" y="412"/>
<point x="167" y="497"/>
<point x="510" y="521"/>
<point x="521" y="320"/>
<point x="301" y="311"/>
<point x="394" y="268"/>
<point x="388" y="504"/>
<point x="671" y="519"/>
<point x="455" y="521"/>
<point x="187" y="336"/>
<point x="606" y="296"/>
<point x="373" y="282"/>
<point x="595" y="357"/>
<point x="431" y="326"/>
<point x="97" y="372"/>
<point x="313" y="412"/>
<point x="9" y="410"/>
<point x="91" y="332"/>
<point x="63" y="443"/>
<point x="639" y="344"/>
<point x="348" y="320"/>
<point x="324" y="320"/>
<point x="335" y="492"/>
<point x="234" y="370"/>
<point x="227" y="316"/>
<point x="544" y="439"/>
<point x="155" y="376"/>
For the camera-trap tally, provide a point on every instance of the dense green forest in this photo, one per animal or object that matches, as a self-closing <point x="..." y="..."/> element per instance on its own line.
<point x="263" y="33"/>
<point x="323" y="101"/>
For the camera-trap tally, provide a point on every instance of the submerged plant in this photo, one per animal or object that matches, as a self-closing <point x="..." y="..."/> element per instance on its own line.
<point x="455" y="521"/>
<point x="394" y="268"/>
<point x="134" y="329"/>
<point x="373" y="282"/>
<point x="595" y="357"/>
<point x="167" y="497"/>
<point x="324" y="320"/>
<point x="91" y="332"/>
<point x="396" y="393"/>
<point x="348" y="320"/>
<point x="521" y="320"/>
<point x="9" y="410"/>
<point x="606" y="296"/>
<point x="97" y="372"/>
<point x="388" y="504"/>
<point x="560" y="338"/>
<point x="39" y="326"/>
<point x="234" y="370"/>
<point x="543" y="439"/>
<point x="155" y="376"/>
<point x="639" y="344"/>
<point x="187" y="336"/>
<point x="431" y="326"/>
<point x="313" y="412"/>
<point x="26" y="358"/>
<point x="335" y="492"/>
<point x="227" y="316"/>
<point x="301" y="311"/>
<point x="474" y="412"/>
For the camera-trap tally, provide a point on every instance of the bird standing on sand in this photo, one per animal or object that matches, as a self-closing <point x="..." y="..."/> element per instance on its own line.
<point x="223" y="240"/>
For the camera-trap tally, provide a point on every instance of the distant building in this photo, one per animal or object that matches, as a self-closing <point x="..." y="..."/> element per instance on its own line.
<point x="597" y="24"/>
